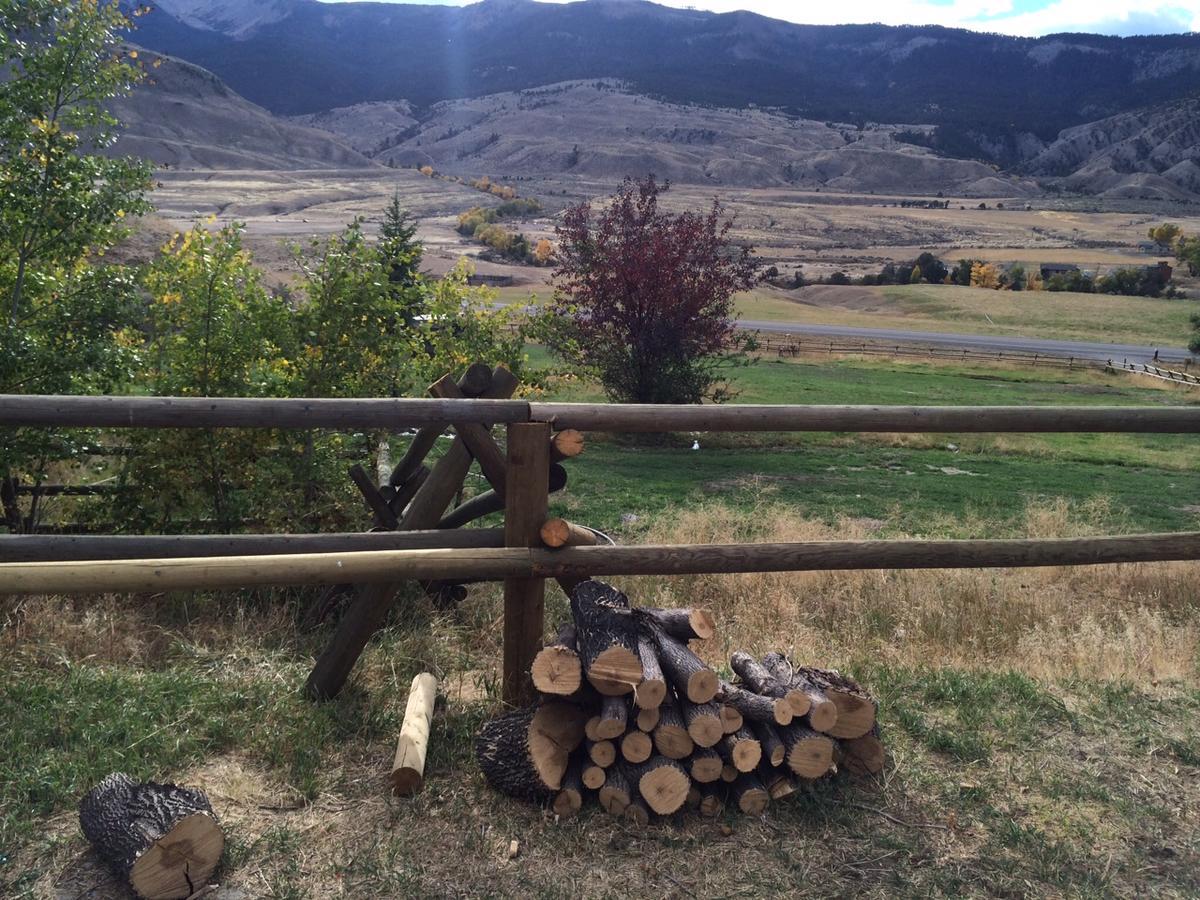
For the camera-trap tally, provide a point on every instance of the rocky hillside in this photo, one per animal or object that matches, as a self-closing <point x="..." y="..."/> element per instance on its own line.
<point x="598" y="129"/>
<point x="368" y="127"/>
<point x="1150" y="153"/>
<point x="186" y="117"/>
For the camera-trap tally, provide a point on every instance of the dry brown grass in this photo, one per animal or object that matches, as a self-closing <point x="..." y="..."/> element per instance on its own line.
<point x="1138" y="621"/>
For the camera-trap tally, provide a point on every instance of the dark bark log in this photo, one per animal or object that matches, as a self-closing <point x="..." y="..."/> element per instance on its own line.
<point x="773" y="750"/>
<point x="863" y="756"/>
<point x="807" y="699"/>
<point x="652" y="690"/>
<point x="556" y="668"/>
<point x="703" y="723"/>
<point x="755" y="676"/>
<point x="712" y="800"/>
<point x="377" y="504"/>
<point x="682" y="624"/>
<point x="163" y="839"/>
<point x="671" y="737"/>
<point x="756" y="707"/>
<point x="750" y="795"/>
<point x="638" y="813"/>
<point x="616" y="793"/>
<point x="686" y="672"/>
<point x="524" y="753"/>
<point x="569" y="799"/>
<point x="662" y="783"/>
<point x="614" y="713"/>
<point x="607" y="638"/>
<point x="636" y="747"/>
<point x="489" y="502"/>
<point x="809" y="753"/>
<point x="741" y="749"/>
<point x="856" y="709"/>
<point x="408" y="490"/>
<point x="705" y="765"/>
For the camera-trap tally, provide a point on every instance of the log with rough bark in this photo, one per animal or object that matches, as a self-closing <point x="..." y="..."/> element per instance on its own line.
<point x="556" y="668"/>
<point x="756" y="707"/>
<point x="636" y="746"/>
<point x="820" y="711"/>
<point x="773" y="750"/>
<point x="408" y="769"/>
<point x="162" y="839"/>
<point x="647" y="719"/>
<point x="703" y="723"/>
<point x="682" y="624"/>
<point x="756" y="677"/>
<point x="607" y="638"/>
<point x="856" y="709"/>
<point x="686" y="672"/>
<point x="569" y="800"/>
<point x="750" y="795"/>
<point x="616" y="793"/>
<point x="705" y="765"/>
<point x="525" y="753"/>
<point x="652" y="689"/>
<point x="809" y="753"/>
<point x="662" y="783"/>
<point x="614" y="712"/>
<point x="741" y="750"/>
<point x="862" y="756"/>
<point x="671" y="737"/>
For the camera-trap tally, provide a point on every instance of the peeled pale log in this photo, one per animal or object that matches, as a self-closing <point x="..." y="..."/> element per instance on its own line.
<point x="525" y="753"/>
<point x="731" y="719"/>
<point x="557" y="533"/>
<point x="681" y="624"/>
<point x="703" y="723"/>
<point x="862" y="756"/>
<point x="602" y="753"/>
<point x="822" y="712"/>
<point x="616" y="793"/>
<point x="671" y="737"/>
<point x="688" y="674"/>
<point x="773" y="750"/>
<point x="569" y="800"/>
<point x="607" y="638"/>
<point x="705" y="765"/>
<point x="662" y="783"/>
<point x="647" y="719"/>
<point x="637" y="812"/>
<point x="594" y="776"/>
<point x="741" y="749"/>
<point x="652" y="689"/>
<point x="566" y="444"/>
<point x="750" y="795"/>
<point x="163" y="839"/>
<point x="712" y="799"/>
<point x="408" y="769"/>
<point x="756" y="707"/>
<point x="809" y="753"/>
<point x="856" y="709"/>
<point x="556" y="668"/>
<point x="636" y="746"/>
<point x="614" y="712"/>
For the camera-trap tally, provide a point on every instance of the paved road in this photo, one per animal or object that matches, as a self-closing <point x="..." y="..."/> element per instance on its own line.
<point x="984" y="342"/>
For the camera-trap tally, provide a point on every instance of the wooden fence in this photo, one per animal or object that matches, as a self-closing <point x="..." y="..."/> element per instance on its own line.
<point x="515" y="553"/>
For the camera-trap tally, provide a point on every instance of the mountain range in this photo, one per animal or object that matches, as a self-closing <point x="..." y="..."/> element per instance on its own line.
<point x="461" y="87"/>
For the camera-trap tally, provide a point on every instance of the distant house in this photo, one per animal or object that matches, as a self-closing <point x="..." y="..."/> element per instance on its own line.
<point x="490" y="280"/>
<point x="1049" y="270"/>
<point x="1153" y="248"/>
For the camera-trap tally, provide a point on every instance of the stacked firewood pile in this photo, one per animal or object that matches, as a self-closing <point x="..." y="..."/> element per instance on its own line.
<point x="629" y="714"/>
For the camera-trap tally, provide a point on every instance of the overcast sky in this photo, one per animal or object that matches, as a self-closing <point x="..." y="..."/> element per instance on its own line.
<point x="1028" y="17"/>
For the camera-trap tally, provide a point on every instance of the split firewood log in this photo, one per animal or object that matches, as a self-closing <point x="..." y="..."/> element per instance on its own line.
<point x="614" y="712"/>
<point x="556" y="669"/>
<point x="741" y="750"/>
<point x="862" y="756"/>
<point x="703" y="722"/>
<point x="636" y="746"/>
<point x="704" y="765"/>
<point x="647" y="719"/>
<point x="756" y="707"/>
<point x="712" y="799"/>
<point x="569" y="800"/>
<point x="822" y="713"/>
<point x="686" y="672"/>
<point x="750" y="795"/>
<point x="524" y="753"/>
<point x="662" y="783"/>
<point x="671" y="737"/>
<point x="681" y="624"/>
<point x="162" y="839"/>
<point x="773" y="751"/>
<point x="652" y="689"/>
<point x="809" y="753"/>
<point x="606" y="638"/>
<point x="616" y="793"/>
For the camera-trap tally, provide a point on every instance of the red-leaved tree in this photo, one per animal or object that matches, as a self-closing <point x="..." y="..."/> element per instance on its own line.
<point x="644" y="298"/>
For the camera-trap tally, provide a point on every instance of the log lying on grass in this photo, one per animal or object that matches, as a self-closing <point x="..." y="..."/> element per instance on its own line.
<point x="615" y="795"/>
<point x="162" y="839"/>
<point x="556" y="669"/>
<point x="408" y="770"/>
<point x="569" y="800"/>
<point x="750" y="795"/>
<point x="862" y="756"/>
<point x="525" y="753"/>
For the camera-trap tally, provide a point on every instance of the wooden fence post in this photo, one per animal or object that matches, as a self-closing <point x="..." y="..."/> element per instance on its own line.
<point x="526" y="504"/>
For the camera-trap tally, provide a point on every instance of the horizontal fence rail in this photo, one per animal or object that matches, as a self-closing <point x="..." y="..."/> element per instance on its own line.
<point x="155" y="575"/>
<point x="193" y="412"/>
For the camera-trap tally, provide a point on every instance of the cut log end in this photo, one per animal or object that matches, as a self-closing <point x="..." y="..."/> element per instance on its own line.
<point x="744" y="753"/>
<point x="752" y="798"/>
<point x="705" y="767"/>
<point x="615" y="671"/>
<point x="556" y="670"/>
<point x="181" y="861"/>
<point x="862" y="756"/>
<point x="855" y="716"/>
<point x="702" y="686"/>
<point x="731" y="719"/>
<point x="636" y="746"/>
<point x="647" y="719"/>
<point x="811" y="757"/>
<point x="593" y="777"/>
<point x="664" y="787"/>
<point x="602" y="753"/>
<point x="823" y="716"/>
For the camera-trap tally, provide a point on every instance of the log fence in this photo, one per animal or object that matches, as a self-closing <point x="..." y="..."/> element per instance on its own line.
<point x="425" y="539"/>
